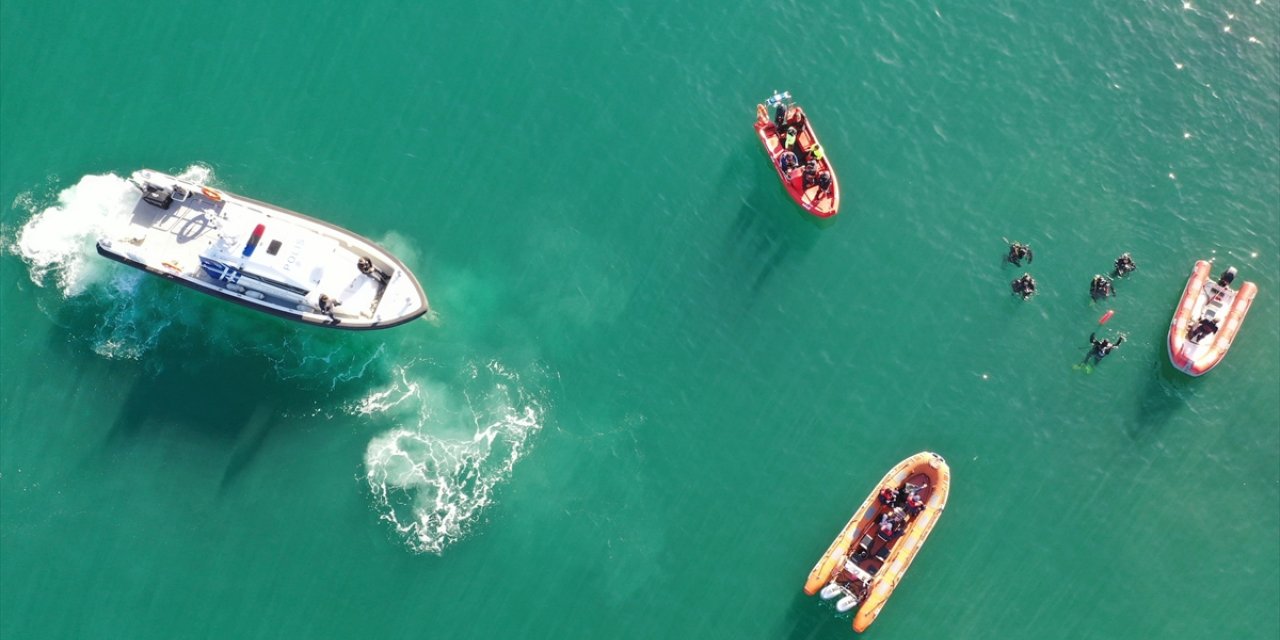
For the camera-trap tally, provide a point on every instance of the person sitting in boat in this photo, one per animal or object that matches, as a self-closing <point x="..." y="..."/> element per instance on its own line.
<point x="824" y="182"/>
<point x="788" y="161"/>
<point x="365" y="266"/>
<point x="888" y="497"/>
<point x="810" y="174"/>
<point x="327" y="304"/>
<point x="1101" y="287"/>
<point x="888" y="525"/>
<point x="1125" y="265"/>
<point x="1019" y="251"/>
<point x="1024" y="286"/>
<point x="915" y="504"/>
<point x="789" y="140"/>
<point x="1206" y="327"/>
<point x="815" y="152"/>
<point x="779" y="116"/>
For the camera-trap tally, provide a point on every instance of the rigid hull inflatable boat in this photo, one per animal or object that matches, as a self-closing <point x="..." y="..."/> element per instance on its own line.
<point x="261" y="256"/>
<point x="865" y="562"/>
<point x="1208" y="318"/>
<point x="821" y="201"/>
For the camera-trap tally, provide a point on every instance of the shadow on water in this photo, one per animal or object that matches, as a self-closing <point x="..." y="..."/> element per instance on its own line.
<point x="1166" y="392"/>
<point x="809" y="618"/>
<point x="768" y="229"/>
<point x="230" y="396"/>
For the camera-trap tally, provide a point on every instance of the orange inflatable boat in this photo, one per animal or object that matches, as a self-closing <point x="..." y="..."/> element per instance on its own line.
<point x="865" y="562"/>
<point x="819" y="194"/>
<point x="1207" y="319"/>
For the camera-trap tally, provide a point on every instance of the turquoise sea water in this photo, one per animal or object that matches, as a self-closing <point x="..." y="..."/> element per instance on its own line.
<point x="651" y="391"/>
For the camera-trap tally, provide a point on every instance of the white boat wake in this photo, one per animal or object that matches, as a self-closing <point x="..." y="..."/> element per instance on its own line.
<point x="432" y="477"/>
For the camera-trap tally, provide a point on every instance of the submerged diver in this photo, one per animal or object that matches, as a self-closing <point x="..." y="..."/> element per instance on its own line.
<point x="1101" y="348"/>
<point x="1101" y="287"/>
<point x="1019" y="251"/>
<point x="1024" y="286"/>
<point x="1125" y="265"/>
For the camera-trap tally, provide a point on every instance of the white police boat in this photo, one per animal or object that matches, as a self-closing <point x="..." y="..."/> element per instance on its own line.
<point x="263" y="257"/>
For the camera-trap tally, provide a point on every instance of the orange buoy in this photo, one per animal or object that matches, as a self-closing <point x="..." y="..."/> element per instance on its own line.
<point x="1106" y="316"/>
<point x="211" y="194"/>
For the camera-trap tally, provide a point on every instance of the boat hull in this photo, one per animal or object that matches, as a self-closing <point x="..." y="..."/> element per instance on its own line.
<point x="887" y="571"/>
<point x="1199" y="357"/>
<point x="809" y="198"/>
<point x="194" y="235"/>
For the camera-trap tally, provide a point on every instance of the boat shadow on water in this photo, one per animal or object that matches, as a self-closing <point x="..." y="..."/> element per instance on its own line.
<point x="768" y="230"/>
<point x="1166" y="392"/>
<point x="227" y="397"/>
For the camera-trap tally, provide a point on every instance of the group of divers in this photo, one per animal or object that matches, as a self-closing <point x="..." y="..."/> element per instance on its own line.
<point x="1101" y="288"/>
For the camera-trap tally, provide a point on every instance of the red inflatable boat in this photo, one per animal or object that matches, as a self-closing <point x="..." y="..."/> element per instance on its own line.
<point x="819" y="191"/>
<point x="1207" y="319"/>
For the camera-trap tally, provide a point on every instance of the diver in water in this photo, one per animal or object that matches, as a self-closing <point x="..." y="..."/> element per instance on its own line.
<point x="1100" y="349"/>
<point x="1024" y="286"/>
<point x="1101" y="287"/>
<point x="1018" y="252"/>
<point x="1125" y="265"/>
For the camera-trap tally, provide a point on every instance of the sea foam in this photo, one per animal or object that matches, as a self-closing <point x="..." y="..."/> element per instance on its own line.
<point x="433" y="475"/>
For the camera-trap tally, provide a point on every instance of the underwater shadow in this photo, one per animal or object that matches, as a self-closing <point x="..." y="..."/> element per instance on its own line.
<point x="1167" y="390"/>
<point x="768" y="230"/>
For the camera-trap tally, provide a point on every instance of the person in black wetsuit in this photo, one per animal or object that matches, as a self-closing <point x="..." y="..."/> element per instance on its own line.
<point x="810" y="173"/>
<point x="824" y="182"/>
<point x="1018" y="252"/>
<point x="1205" y="327"/>
<point x="1024" y="286"/>
<point x="1100" y="349"/>
<point x="1125" y="265"/>
<point x="779" y="116"/>
<point x="1101" y="287"/>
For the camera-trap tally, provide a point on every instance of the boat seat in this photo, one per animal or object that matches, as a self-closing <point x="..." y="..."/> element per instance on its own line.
<point x="883" y="553"/>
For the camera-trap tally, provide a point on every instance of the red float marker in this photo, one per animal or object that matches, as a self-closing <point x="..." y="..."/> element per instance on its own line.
<point x="1106" y="316"/>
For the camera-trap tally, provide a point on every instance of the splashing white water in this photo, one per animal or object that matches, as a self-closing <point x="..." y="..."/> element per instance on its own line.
<point x="58" y="241"/>
<point x="433" y="477"/>
<point x="58" y="244"/>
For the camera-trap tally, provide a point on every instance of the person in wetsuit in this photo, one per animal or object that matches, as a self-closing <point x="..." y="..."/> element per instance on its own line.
<point x="1125" y="265"/>
<point x="1101" y="287"/>
<point x="1019" y="252"/>
<point x="1024" y="286"/>
<point x="1101" y="348"/>
<point x="810" y="174"/>
<point x="824" y="182"/>
<point x="1205" y="327"/>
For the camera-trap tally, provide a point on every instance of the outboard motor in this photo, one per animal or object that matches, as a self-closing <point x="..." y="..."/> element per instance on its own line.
<point x="1227" y="277"/>
<point x="830" y="591"/>
<point x="846" y="604"/>
<point x="159" y="196"/>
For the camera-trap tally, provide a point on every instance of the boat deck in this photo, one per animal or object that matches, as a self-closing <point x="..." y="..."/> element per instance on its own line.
<point x="175" y="239"/>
